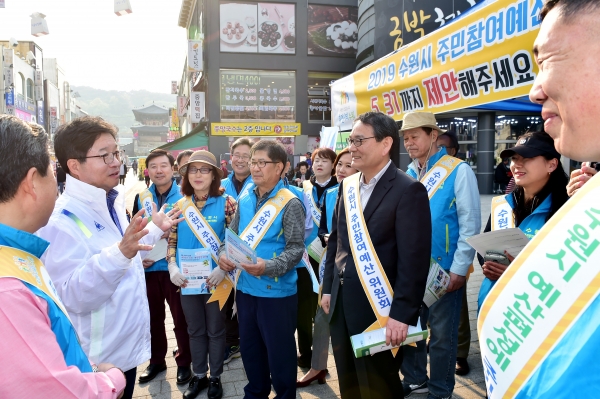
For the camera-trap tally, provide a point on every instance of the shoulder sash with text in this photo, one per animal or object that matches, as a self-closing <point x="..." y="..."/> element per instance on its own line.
<point x="28" y="268"/>
<point x="147" y="200"/>
<point x="540" y="297"/>
<point x="502" y="214"/>
<point x="315" y="212"/>
<point x="368" y="266"/>
<point x="439" y="172"/>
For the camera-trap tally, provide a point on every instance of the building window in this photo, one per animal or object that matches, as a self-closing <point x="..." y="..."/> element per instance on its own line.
<point x="319" y="99"/>
<point x="20" y="85"/>
<point x="30" y="90"/>
<point x="258" y="95"/>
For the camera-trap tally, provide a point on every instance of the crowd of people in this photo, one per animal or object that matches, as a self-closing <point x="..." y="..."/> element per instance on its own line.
<point x="343" y="246"/>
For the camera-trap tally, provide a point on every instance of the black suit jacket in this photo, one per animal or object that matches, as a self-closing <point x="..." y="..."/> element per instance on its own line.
<point x="399" y="223"/>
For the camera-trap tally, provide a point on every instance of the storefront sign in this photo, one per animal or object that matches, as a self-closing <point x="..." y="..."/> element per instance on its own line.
<point x="10" y="98"/>
<point x="40" y="113"/>
<point x="194" y="56"/>
<point x="53" y="119"/>
<point x="173" y="120"/>
<point x="484" y="57"/>
<point x="332" y="30"/>
<point x="181" y="105"/>
<point x="401" y="22"/>
<point x="268" y="28"/>
<point x="25" y="116"/>
<point x="258" y="95"/>
<point x="174" y="88"/>
<point x="255" y="129"/>
<point x="24" y="106"/>
<point x="39" y="77"/>
<point x="197" y="105"/>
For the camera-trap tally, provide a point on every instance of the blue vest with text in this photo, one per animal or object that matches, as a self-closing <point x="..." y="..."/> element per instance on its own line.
<point x="444" y="217"/>
<point x="214" y="213"/>
<point x="227" y="184"/>
<point x="271" y="246"/>
<point x="330" y="200"/>
<point x="173" y="196"/>
<point x="59" y="323"/>
<point x="319" y="202"/>
<point x="529" y="226"/>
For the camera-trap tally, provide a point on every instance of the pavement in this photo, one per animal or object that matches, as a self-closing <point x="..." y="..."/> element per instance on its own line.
<point x="234" y="377"/>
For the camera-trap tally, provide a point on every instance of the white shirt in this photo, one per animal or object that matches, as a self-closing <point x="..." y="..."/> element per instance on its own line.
<point x="366" y="189"/>
<point x="104" y="292"/>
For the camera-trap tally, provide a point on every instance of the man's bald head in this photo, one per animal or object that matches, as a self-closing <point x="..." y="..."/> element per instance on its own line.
<point x="568" y="9"/>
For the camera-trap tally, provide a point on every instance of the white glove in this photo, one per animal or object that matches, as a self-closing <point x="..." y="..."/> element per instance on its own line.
<point x="216" y="276"/>
<point x="176" y="276"/>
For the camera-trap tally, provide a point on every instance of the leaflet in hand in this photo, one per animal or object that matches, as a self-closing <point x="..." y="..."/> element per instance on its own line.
<point x="159" y="251"/>
<point x="510" y="240"/>
<point x="195" y="265"/>
<point x="237" y="250"/>
<point x="372" y="342"/>
<point x="437" y="284"/>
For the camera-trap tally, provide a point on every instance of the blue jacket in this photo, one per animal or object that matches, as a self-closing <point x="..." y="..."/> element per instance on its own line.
<point x="227" y="184"/>
<point x="530" y="226"/>
<point x="59" y="323"/>
<point x="214" y="213"/>
<point x="271" y="246"/>
<point x="173" y="196"/>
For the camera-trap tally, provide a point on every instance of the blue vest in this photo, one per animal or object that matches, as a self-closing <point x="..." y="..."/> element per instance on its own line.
<point x="59" y="323"/>
<point x="444" y="218"/>
<point x="173" y="196"/>
<point x="214" y="213"/>
<point x="330" y="200"/>
<point x="227" y="184"/>
<point x="530" y="226"/>
<point x="319" y="202"/>
<point x="270" y="246"/>
<point x="299" y="193"/>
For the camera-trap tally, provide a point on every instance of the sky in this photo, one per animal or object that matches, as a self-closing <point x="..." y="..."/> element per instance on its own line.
<point x="144" y="50"/>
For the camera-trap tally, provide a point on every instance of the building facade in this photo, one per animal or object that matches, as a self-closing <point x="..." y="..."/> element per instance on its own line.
<point x="152" y="129"/>
<point x="266" y="68"/>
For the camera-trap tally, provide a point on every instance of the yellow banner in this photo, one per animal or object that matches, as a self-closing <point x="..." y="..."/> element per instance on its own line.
<point x="483" y="57"/>
<point x="255" y="129"/>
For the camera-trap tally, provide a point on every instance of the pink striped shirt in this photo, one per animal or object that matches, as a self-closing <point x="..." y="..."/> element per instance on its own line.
<point x="31" y="362"/>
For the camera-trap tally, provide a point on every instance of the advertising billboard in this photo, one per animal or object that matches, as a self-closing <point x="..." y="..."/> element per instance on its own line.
<point x="332" y="30"/>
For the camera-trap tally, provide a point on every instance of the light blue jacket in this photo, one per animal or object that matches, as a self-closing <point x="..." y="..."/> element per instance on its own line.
<point x="455" y="216"/>
<point x="227" y="184"/>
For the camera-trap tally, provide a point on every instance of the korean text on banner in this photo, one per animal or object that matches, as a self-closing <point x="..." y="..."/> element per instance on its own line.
<point x="195" y="56"/>
<point x="197" y="104"/>
<point x="255" y="129"/>
<point x="181" y="105"/>
<point x="539" y="321"/>
<point x="483" y="57"/>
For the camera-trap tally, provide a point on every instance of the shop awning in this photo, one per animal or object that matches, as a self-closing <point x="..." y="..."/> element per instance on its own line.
<point x="194" y="139"/>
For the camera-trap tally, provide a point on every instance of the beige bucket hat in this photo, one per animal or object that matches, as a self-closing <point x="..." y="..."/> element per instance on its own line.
<point x="202" y="157"/>
<point x="413" y="120"/>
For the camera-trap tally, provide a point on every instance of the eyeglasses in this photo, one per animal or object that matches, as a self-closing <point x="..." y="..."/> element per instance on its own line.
<point x="242" y="157"/>
<point x="192" y="170"/>
<point x="261" y="164"/>
<point x="108" y="158"/>
<point x="357" y="142"/>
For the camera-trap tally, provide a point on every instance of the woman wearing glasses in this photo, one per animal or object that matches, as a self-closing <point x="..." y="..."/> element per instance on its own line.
<point x="318" y="370"/>
<point x="314" y="189"/>
<point x="207" y="213"/>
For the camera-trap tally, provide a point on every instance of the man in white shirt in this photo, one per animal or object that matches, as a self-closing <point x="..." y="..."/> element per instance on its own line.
<point x="94" y="256"/>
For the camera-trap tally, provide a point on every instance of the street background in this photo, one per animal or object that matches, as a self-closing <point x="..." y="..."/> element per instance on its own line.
<point x="234" y="377"/>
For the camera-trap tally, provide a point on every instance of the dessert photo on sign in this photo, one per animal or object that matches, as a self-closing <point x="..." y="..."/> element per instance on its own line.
<point x="257" y="27"/>
<point x="332" y="31"/>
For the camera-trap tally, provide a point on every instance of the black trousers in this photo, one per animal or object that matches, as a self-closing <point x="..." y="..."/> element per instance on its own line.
<point x="307" y="308"/>
<point x="232" y="327"/>
<point x="369" y="377"/>
<point x="130" y="383"/>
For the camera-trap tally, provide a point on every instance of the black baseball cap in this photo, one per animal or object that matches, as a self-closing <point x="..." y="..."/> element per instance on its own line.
<point x="531" y="147"/>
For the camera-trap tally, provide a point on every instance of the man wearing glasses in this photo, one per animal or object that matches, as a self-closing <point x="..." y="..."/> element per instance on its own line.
<point x="95" y="254"/>
<point x="270" y="219"/>
<point x="381" y="237"/>
<point x="239" y="180"/>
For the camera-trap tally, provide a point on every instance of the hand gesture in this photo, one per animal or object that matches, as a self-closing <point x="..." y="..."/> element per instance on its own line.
<point x="579" y="177"/>
<point x="165" y="221"/>
<point x="255" y="269"/>
<point x="225" y="264"/>
<point x="130" y="243"/>
<point x="395" y="332"/>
